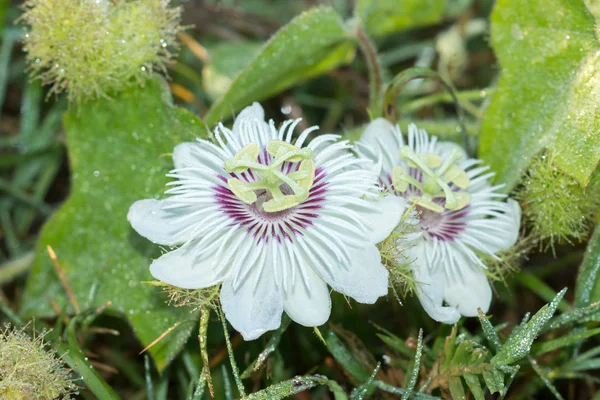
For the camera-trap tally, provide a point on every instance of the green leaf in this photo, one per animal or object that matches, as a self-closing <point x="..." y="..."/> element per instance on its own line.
<point x="449" y="349"/>
<point x="489" y="331"/>
<point x="73" y="356"/>
<point x="227" y="59"/>
<point x="346" y="358"/>
<point x="337" y="391"/>
<point x="400" y="392"/>
<point x="269" y="348"/>
<point x="587" y="287"/>
<point x="575" y="316"/>
<point x="547" y="95"/>
<point x="116" y="149"/>
<point x="543" y="374"/>
<point x="551" y="345"/>
<point x="585" y="365"/>
<point x="394" y="341"/>
<point x="288" y="388"/>
<point x="541" y="288"/>
<point x="518" y="345"/>
<point x="384" y="17"/>
<point x="311" y="44"/>
<point x="414" y="372"/>
<point x="456" y="388"/>
<point x="474" y="385"/>
<point x="494" y="380"/>
<point x="366" y="387"/>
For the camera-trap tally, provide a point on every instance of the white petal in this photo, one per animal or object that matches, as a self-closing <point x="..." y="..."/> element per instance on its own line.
<point x="365" y="279"/>
<point x="252" y="112"/>
<point x="430" y="293"/>
<point x="149" y="219"/>
<point x="513" y="226"/>
<point x="183" y="155"/>
<point x="469" y="292"/>
<point x="257" y="304"/>
<point x="180" y="268"/>
<point x="445" y="149"/>
<point x="383" y="223"/>
<point x="381" y="133"/>
<point x="308" y="306"/>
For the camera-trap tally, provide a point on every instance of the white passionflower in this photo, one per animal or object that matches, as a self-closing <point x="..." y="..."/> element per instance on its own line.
<point x="274" y="222"/>
<point x="458" y="215"/>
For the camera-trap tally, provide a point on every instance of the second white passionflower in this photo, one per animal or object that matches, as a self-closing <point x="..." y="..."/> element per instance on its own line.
<point x="458" y="216"/>
<point x="273" y="220"/>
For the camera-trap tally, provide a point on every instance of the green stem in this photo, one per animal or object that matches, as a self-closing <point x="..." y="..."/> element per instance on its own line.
<point x="444" y="129"/>
<point x="399" y="82"/>
<point x="234" y="367"/>
<point x="202" y="337"/>
<point x="465" y="98"/>
<point x="369" y="51"/>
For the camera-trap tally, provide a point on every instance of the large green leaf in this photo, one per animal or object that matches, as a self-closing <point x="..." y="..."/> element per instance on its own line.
<point x="384" y="17"/>
<point x="312" y="43"/>
<point x="548" y="94"/>
<point x="117" y="149"/>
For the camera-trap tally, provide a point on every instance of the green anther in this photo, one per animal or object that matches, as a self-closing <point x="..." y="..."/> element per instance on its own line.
<point x="431" y="160"/>
<point x="307" y="167"/>
<point x="244" y="159"/>
<point x="286" y="202"/>
<point x="400" y="179"/>
<point x="287" y="152"/>
<point x="454" y="157"/>
<point x="243" y="191"/>
<point x="271" y="176"/>
<point x="412" y="158"/>
<point x="458" y="176"/>
<point x="430" y="205"/>
<point x="431" y="184"/>
<point x="462" y="199"/>
<point x="434" y="184"/>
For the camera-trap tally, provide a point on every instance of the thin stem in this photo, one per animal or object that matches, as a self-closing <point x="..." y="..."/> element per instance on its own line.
<point x="202" y="336"/>
<point x="234" y="367"/>
<point x="399" y="82"/>
<point x="374" y="67"/>
<point x="465" y="98"/>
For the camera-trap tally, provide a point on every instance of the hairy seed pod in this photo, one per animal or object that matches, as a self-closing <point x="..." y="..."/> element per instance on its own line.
<point x="95" y="48"/>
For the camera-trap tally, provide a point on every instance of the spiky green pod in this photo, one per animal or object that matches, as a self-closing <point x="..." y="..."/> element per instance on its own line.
<point x="556" y="207"/>
<point x="28" y="370"/>
<point x="94" y="48"/>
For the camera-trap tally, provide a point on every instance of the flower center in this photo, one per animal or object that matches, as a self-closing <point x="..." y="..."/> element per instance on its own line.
<point x="437" y="176"/>
<point x="296" y="184"/>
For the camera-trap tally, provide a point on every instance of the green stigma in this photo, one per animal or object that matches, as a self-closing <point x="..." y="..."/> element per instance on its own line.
<point x="436" y="179"/>
<point x="271" y="176"/>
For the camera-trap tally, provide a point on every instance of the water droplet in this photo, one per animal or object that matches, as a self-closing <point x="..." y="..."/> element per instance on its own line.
<point x="96" y="173"/>
<point x="516" y="32"/>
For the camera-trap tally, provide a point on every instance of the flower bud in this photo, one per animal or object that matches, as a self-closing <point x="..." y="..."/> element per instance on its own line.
<point x="96" y="48"/>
